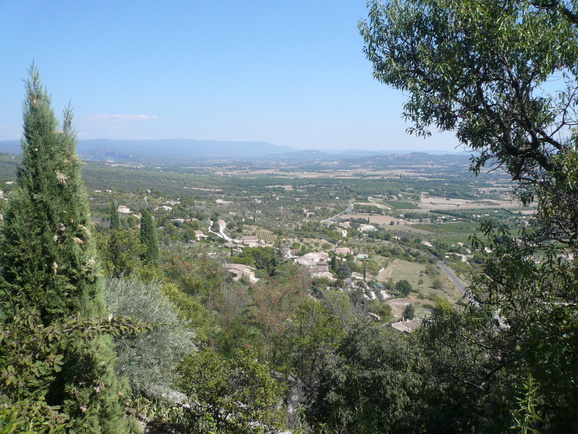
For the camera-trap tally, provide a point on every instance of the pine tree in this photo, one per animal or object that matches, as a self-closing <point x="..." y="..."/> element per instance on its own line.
<point x="148" y="237"/>
<point x="114" y="217"/>
<point x="49" y="270"/>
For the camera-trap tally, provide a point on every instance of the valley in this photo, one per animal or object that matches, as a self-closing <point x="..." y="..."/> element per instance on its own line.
<point x="386" y="221"/>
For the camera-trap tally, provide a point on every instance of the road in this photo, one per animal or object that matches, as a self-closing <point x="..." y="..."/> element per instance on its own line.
<point x="457" y="282"/>
<point x="347" y="211"/>
<point x="445" y="269"/>
<point x="377" y="204"/>
<point x="221" y="232"/>
<point x="453" y="277"/>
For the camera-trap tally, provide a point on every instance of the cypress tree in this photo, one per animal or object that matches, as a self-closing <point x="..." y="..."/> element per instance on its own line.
<point x="334" y="264"/>
<point x="148" y="237"/>
<point x="49" y="266"/>
<point x="114" y="217"/>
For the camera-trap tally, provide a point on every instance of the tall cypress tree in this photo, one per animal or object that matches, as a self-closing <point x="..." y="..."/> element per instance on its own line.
<point x="49" y="266"/>
<point x="334" y="263"/>
<point x="149" y="238"/>
<point x="114" y="217"/>
<point x="48" y="252"/>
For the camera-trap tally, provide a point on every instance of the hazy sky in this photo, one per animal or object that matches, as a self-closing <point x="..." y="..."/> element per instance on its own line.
<point x="285" y="72"/>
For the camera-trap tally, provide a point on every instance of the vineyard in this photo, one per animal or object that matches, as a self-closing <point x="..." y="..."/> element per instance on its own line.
<point x="267" y="237"/>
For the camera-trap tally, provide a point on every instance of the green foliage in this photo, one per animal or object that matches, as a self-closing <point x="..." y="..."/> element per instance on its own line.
<point x="148" y="359"/>
<point x="187" y="200"/>
<point x="382" y="309"/>
<point x="114" y="217"/>
<point x="526" y="416"/>
<point x="437" y="283"/>
<point x="245" y="260"/>
<point x="30" y="417"/>
<point x="540" y="324"/>
<point x="48" y="249"/>
<point x="491" y="94"/>
<point x="401" y="205"/>
<point x="273" y="303"/>
<point x="121" y="252"/>
<point x="529" y="45"/>
<point x="32" y="358"/>
<point x="470" y="380"/>
<point x="370" y="384"/>
<point x="148" y="237"/>
<point x="343" y="272"/>
<point x="190" y="310"/>
<point x="318" y="326"/>
<point x="334" y="264"/>
<point x="480" y="69"/>
<point x="404" y="287"/>
<point x="50" y="278"/>
<point x="235" y="396"/>
<point x="264" y="258"/>
<point x="409" y="311"/>
<point x="196" y="274"/>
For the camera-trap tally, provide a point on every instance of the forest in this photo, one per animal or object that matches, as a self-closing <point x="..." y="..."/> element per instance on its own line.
<point x="240" y="298"/>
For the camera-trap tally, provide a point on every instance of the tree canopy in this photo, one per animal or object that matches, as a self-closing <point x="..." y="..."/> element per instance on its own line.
<point x="502" y="76"/>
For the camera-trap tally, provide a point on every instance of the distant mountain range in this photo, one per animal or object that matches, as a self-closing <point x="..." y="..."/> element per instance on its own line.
<point x="185" y="151"/>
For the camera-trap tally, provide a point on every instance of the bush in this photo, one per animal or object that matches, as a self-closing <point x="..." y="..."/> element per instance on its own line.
<point x="149" y="359"/>
<point x="237" y="395"/>
<point x="404" y="287"/>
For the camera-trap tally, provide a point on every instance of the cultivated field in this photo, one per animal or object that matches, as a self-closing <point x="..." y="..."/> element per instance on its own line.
<point x="421" y="282"/>
<point x="444" y="203"/>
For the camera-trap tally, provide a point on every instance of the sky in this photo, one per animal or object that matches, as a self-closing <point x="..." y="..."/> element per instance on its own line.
<point x="289" y="73"/>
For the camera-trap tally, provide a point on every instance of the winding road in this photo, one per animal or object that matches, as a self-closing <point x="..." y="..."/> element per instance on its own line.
<point x="221" y="232"/>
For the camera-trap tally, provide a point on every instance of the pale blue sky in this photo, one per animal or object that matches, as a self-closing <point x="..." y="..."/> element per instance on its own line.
<point x="285" y="72"/>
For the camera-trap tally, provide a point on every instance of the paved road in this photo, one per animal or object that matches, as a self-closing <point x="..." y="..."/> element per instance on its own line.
<point x="444" y="268"/>
<point x="453" y="277"/>
<point x="347" y="211"/>
<point x="458" y="282"/>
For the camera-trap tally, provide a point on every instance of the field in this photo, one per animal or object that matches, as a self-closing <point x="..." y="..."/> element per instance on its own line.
<point x="423" y="283"/>
<point x="440" y="203"/>
<point x="401" y="205"/>
<point x="266" y="236"/>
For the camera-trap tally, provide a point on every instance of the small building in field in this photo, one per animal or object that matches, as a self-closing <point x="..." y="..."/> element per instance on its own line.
<point x="200" y="235"/>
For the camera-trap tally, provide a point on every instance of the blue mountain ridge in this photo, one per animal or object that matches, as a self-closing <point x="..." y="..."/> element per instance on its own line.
<point x="187" y="150"/>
